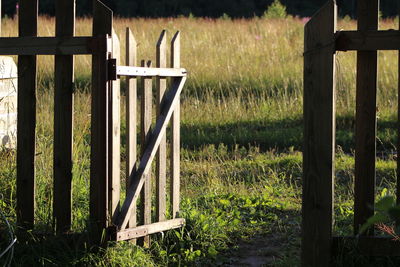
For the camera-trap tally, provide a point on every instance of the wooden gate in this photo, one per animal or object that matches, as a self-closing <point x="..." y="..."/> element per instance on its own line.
<point x="321" y="43"/>
<point x="153" y="140"/>
<point x="103" y="46"/>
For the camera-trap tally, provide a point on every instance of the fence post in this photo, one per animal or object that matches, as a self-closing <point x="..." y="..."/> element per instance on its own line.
<point x="115" y="135"/>
<point x="99" y="167"/>
<point x="63" y="119"/>
<point x="365" y="153"/>
<point x="146" y="119"/>
<point x="319" y="137"/>
<point x="175" y="142"/>
<point x="28" y="13"/>
<point x="161" y="166"/>
<point x="131" y="117"/>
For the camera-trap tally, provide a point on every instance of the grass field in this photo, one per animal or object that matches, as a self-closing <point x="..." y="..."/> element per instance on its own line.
<point x="241" y="145"/>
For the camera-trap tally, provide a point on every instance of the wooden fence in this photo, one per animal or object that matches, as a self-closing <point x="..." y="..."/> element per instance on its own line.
<point x="321" y="42"/>
<point x="105" y="212"/>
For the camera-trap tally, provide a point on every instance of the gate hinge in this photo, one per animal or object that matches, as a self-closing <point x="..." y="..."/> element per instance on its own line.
<point x="112" y="69"/>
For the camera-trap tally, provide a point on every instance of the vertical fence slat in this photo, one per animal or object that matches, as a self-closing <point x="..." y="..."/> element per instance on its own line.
<point x="319" y="133"/>
<point x="146" y="119"/>
<point x="28" y="11"/>
<point x="115" y="135"/>
<point x="102" y="25"/>
<point x="161" y="166"/>
<point x="175" y="142"/>
<point x="63" y="119"/>
<point x="131" y="117"/>
<point x="365" y="152"/>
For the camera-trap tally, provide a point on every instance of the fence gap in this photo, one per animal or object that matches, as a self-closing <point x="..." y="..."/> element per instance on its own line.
<point x="146" y="120"/>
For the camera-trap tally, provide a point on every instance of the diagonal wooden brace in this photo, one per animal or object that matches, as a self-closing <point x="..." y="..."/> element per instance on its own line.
<point x="171" y="101"/>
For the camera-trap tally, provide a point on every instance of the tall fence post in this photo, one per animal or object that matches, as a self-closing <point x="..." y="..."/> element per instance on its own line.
<point x="63" y="119"/>
<point x="131" y="117"/>
<point x="175" y="142"/>
<point x="161" y="160"/>
<point x="99" y="165"/>
<point x="365" y="153"/>
<point x="319" y="128"/>
<point x="26" y="125"/>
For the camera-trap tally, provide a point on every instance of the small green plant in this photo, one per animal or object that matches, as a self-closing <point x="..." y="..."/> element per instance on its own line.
<point x="275" y="11"/>
<point x="386" y="213"/>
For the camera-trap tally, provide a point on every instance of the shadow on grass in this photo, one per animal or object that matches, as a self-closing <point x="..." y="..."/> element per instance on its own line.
<point x="282" y="134"/>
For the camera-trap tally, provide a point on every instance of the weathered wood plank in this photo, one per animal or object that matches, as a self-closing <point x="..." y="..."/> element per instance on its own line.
<point x="366" y="245"/>
<point x="153" y="228"/>
<point x="171" y="100"/>
<point x="367" y="40"/>
<point x="115" y="135"/>
<point x="175" y="142"/>
<point x="319" y="137"/>
<point x="150" y="72"/>
<point x="32" y="45"/>
<point x="26" y="124"/>
<point x="146" y="120"/>
<point x="99" y="212"/>
<point x="131" y="117"/>
<point x="365" y="150"/>
<point x="63" y="120"/>
<point x="161" y="158"/>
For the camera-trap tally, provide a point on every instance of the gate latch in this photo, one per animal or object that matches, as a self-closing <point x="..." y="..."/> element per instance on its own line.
<point x="112" y="69"/>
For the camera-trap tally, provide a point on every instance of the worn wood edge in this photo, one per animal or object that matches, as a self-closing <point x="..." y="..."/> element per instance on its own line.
<point x="144" y="230"/>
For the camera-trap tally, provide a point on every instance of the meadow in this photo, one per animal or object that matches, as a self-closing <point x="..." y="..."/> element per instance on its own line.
<point x="242" y="132"/>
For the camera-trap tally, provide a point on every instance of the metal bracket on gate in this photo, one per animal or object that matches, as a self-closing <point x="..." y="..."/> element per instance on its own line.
<point x="112" y="69"/>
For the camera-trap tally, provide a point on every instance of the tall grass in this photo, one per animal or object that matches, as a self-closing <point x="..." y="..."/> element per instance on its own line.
<point x="241" y="57"/>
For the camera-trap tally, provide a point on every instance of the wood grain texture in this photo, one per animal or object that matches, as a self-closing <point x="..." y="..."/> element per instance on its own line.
<point x="26" y="124"/>
<point x="171" y="100"/>
<point x="365" y="151"/>
<point x="114" y="185"/>
<point x="175" y="142"/>
<point x="367" y="40"/>
<point x="319" y="137"/>
<point x="99" y="167"/>
<point x="63" y="120"/>
<point x="146" y="120"/>
<point x="33" y="45"/>
<point x="161" y="158"/>
<point x="153" y="228"/>
<point x="131" y="117"/>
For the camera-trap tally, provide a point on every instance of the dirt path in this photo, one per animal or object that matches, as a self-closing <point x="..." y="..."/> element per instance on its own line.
<point x="258" y="251"/>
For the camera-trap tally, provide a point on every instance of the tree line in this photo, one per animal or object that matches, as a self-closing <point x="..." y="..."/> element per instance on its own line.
<point x="204" y="8"/>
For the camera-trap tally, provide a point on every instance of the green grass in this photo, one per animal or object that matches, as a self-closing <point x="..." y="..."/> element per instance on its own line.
<point x="242" y="133"/>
